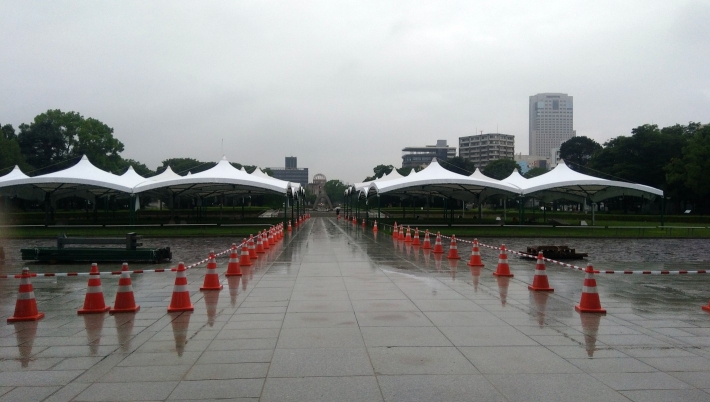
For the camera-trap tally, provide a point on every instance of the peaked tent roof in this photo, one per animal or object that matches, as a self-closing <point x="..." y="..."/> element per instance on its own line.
<point x="434" y="179"/>
<point x="223" y="178"/>
<point x="563" y="182"/>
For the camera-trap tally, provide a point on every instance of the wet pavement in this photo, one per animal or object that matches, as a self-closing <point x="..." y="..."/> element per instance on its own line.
<point x="334" y="314"/>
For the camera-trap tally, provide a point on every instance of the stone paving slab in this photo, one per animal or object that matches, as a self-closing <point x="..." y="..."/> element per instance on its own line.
<point x="333" y="313"/>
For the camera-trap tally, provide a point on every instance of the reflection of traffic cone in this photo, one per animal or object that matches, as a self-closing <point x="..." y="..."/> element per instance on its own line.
<point x="289" y="226"/>
<point x="590" y="328"/>
<point x="363" y="223"/>
<point x="25" y="332"/>
<point x="233" y="265"/>
<point x="181" y="296"/>
<point x="475" y="260"/>
<point x="233" y="284"/>
<point x="94" y="300"/>
<point x="26" y="305"/>
<point x="395" y="231"/>
<point x="437" y="261"/>
<point x="180" y="324"/>
<point x="540" y="300"/>
<point x="503" y="268"/>
<point x="211" y="276"/>
<point x="124" y="330"/>
<point x="408" y="237"/>
<point x="453" y="249"/>
<point x="244" y="259"/>
<point x="94" y="324"/>
<point x="415" y="239"/>
<point x="438" y="248"/>
<point x="503" y="282"/>
<point x="427" y="242"/>
<point x="453" y="267"/>
<point x="589" y="303"/>
<point x="476" y="273"/>
<point x="211" y="301"/>
<point x="259" y="244"/>
<point x="354" y="221"/>
<point x="252" y="248"/>
<point x="408" y="248"/>
<point x="374" y="228"/>
<point x="540" y="279"/>
<point x="707" y="308"/>
<point x="125" y="301"/>
<point x="427" y="254"/>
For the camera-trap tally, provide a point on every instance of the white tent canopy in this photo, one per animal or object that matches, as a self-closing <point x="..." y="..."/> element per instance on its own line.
<point x="437" y="181"/>
<point x="563" y="182"/>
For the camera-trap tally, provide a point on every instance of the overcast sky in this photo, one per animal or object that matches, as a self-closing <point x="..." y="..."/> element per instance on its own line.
<point x="344" y="86"/>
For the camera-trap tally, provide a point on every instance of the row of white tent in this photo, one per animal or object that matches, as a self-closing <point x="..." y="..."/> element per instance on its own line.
<point x="86" y="180"/>
<point x="559" y="183"/>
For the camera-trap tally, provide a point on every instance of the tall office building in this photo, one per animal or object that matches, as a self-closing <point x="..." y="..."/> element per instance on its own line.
<point x="551" y="122"/>
<point x="484" y="148"/>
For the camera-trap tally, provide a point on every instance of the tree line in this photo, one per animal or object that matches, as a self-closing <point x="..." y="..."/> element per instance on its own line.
<point x="55" y="140"/>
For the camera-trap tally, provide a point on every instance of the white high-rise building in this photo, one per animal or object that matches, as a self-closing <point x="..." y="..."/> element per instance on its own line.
<point x="551" y="122"/>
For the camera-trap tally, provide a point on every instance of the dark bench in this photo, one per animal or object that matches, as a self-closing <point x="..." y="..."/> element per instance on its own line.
<point x="130" y="241"/>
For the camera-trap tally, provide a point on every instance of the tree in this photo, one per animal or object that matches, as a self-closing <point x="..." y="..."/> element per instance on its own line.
<point x="379" y="170"/>
<point x="691" y="169"/>
<point x="10" y="153"/>
<point x="458" y="165"/>
<point x="501" y="168"/>
<point x="578" y="151"/>
<point x="534" y="172"/>
<point x="8" y="132"/>
<point x="334" y="189"/>
<point x="140" y="168"/>
<point x="55" y="137"/>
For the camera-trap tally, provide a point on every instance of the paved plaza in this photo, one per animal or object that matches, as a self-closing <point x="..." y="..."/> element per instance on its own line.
<point x="335" y="313"/>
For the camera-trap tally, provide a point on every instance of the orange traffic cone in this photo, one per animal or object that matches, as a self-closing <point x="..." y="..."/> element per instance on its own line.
<point x="589" y="303"/>
<point x="233" y="265"/>
<point x="211" y="276"/>
<point x="270" y="237"/>
<point x="415" y="239"/>
<point x="453" y="249"/>
<point x="707" y="308"/>
<point x="408" y="237"/>
<point x="395" y="231"/>
<point x="503" y="269"/>
<point x="438" y="248"/>
<point x="540" y="279"/>
<point x="265" y="240"/>
<point x="259" y="244"/>
<point x="427" y="242"/>
<point x="289" y="226"/>
<point x="244" y="259"/>
<point x="26" y="305"/>
<point x="374" y="228"/>
<point x="125" y="301"/>
<point x="475" y="260"/>
<point x="181" y="296"/>
<point x="400" y="236"/>
<point x="94" y="300"/>
<point x="354" y="221"/>
<point x="252" y="248"/>
<point x="363" y="223"/>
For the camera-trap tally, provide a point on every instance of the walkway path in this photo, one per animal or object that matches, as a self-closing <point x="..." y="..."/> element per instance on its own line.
<point x="333" y="314"/>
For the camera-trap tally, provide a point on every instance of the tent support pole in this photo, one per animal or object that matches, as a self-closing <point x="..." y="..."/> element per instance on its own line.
<point x="378" y="206"/>
<point x="663" y="207"/>
<point x="505" y="209"/>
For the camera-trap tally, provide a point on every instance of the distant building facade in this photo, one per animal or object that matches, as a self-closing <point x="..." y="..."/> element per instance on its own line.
<point x="291" y="172"/>
<point x="482" y="149"/>
<point x="551" y="122"/>
<point x="422" y="156"/>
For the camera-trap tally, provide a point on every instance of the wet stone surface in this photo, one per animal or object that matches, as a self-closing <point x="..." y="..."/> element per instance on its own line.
<point x="334" y="313"/>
